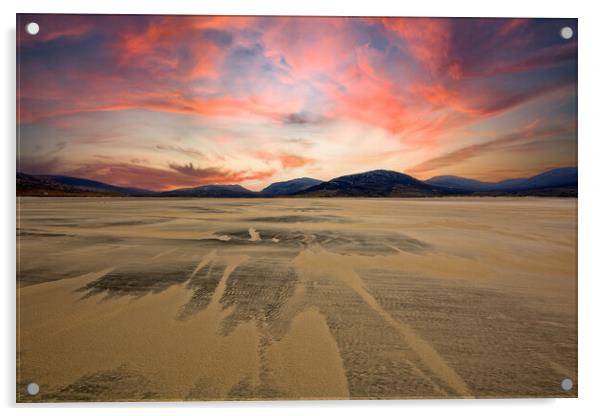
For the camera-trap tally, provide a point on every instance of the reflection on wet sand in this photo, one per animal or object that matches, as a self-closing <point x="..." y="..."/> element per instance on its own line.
<point x="208" y="299"/>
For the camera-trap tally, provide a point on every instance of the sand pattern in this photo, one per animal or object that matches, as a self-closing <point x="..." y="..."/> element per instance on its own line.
<point x="214" y="299"/>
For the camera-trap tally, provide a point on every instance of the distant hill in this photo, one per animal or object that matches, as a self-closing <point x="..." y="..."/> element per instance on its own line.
<point x="96" y="186"/>
<point x="555" y="178"/>
<point x="561" y="177"/>
<point x="289" y="187"/>
<point x="458" y="182"/>
<point x="376" y="183"/>
<point x="211" y="191"/>
<point x="58" y="185"/>
<point x="31" y="185"/>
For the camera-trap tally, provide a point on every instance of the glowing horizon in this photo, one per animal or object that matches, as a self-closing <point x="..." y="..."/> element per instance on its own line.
<point x="163" y="102"/>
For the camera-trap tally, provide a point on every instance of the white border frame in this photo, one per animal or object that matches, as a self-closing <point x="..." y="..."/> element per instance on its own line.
<point x="590" y="278"/>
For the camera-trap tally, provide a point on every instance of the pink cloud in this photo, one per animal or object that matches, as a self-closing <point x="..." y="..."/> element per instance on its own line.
<point x="286" y="160"/>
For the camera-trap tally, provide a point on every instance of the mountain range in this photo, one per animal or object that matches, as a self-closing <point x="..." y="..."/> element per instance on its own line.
<point x="375" y="183"/>
<point x="552" y="178"/>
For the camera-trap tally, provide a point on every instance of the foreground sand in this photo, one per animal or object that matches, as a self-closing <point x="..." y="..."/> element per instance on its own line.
<point x="205" y="299"/>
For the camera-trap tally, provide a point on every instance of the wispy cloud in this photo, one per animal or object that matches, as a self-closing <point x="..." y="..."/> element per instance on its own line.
<point x="186" y="151"/>
<point x="505" y="142"/>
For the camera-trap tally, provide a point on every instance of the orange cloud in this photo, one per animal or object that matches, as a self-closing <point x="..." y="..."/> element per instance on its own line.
<point x="168" y="102"/>
<point x="294" y="161"/>
<point x="286" y="160"/>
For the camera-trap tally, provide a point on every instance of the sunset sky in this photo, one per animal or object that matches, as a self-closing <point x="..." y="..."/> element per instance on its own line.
<point x="162" y="102"/>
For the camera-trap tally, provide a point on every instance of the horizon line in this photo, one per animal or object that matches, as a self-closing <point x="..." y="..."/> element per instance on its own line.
<point x="287" y="180"/>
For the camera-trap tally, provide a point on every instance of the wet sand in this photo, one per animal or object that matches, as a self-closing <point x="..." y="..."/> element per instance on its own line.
<point x="226" y="299"/>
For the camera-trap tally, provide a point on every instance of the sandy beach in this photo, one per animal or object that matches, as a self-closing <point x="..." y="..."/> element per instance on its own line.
<point x="123" y="299"/>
